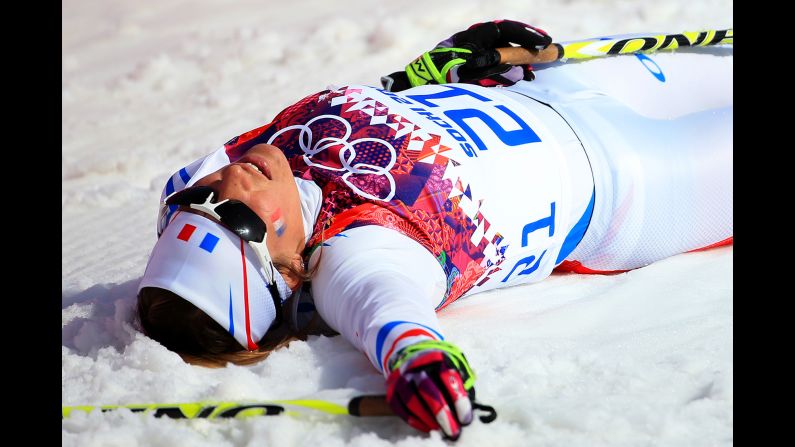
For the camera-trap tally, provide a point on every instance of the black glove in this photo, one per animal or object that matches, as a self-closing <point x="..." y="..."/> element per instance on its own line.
<point x="483" y="67"/>
<point x="470" y="56"/>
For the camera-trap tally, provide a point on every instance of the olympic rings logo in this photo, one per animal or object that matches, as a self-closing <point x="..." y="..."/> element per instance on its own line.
<point x="347" y="154"/>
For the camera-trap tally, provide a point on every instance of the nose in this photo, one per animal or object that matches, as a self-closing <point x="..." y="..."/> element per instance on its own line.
<point x="235" y="183"/>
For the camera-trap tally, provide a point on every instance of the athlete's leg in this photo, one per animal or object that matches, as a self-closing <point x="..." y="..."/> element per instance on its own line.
<point x="660" y="148"/>
<point x="667" y="188"/>
<point x="661" y="85"/>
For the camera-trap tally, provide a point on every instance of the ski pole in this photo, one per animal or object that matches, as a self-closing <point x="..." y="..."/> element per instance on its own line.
<point x="362" y="406"/>
<point x="601" y="47"/>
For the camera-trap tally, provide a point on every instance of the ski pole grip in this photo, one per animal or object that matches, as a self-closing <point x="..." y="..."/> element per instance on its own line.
<point x="365" y="406"/>
<point x="521" y="55"/>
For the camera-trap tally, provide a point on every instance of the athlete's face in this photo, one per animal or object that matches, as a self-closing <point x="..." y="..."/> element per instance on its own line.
<point x="263" y="180"/>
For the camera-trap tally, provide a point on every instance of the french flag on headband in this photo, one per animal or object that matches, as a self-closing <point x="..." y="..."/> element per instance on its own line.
<point x="208" y="242"/>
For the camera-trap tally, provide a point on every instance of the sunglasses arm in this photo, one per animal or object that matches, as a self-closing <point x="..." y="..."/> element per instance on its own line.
<point x="262" y="252"/>
<point x="209" y="207"/>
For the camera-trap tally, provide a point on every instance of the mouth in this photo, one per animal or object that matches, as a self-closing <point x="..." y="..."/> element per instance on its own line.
<point x="258" y="164"/>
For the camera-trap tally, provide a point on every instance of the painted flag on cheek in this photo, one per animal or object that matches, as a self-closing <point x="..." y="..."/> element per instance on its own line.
<point x="278" y="221"/>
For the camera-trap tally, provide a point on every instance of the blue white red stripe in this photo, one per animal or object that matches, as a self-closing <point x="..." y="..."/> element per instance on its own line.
<point x="177" y="181"/>
<point x="395" y="334"/>
<point x="278" y="221"/>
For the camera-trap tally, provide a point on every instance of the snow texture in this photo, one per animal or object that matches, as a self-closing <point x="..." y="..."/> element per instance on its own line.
<point x="637" y="359"/>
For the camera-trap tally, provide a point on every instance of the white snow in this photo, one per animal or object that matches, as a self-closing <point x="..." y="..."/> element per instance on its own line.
<point x="642" y="358"/>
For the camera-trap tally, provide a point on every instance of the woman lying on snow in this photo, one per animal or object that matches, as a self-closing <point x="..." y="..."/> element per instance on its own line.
<point x="379" y="208"/>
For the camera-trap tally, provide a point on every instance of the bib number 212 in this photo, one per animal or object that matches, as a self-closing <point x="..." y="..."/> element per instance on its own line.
<point x="464" y="116"/>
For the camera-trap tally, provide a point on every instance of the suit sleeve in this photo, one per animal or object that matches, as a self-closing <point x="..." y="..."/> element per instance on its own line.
<point x="186" y="177"/>
<point x="378" y="289"/>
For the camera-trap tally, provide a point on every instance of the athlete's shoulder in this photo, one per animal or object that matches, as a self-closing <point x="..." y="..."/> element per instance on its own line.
<point x="186" y="177"/>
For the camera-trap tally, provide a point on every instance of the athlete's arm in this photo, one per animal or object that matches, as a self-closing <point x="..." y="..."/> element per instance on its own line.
<point x="378" y="288"/>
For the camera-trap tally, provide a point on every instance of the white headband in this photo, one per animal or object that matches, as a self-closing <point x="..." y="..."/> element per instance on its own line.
<point x="211" y="267"/>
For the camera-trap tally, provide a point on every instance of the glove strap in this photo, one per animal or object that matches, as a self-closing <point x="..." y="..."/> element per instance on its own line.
<point x="424" y="70"/>
<point x="453" y="353"/>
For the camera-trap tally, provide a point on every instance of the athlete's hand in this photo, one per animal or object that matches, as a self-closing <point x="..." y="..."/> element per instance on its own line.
<point x="483" y="39"/>
<point x="503" y="33"/>
<point x="431" y="387"/>
<point x="471" y="56"/>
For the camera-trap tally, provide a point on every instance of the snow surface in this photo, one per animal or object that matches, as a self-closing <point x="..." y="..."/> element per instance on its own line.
<point x="637" y="359"/>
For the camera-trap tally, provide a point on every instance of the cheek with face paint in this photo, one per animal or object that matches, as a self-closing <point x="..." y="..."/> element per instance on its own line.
<point x="277" y="220"/>
<point x="263" y="180"/>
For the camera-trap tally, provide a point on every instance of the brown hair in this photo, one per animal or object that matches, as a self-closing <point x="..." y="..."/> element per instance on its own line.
<point x="185" y="329"/>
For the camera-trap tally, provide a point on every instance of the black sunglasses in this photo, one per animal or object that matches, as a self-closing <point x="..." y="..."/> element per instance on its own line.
<point x="241" y="220"/>
<point x="234" y="214"/>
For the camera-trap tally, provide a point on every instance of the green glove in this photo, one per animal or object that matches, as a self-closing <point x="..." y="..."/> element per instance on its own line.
<point x="433" y="67"/>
